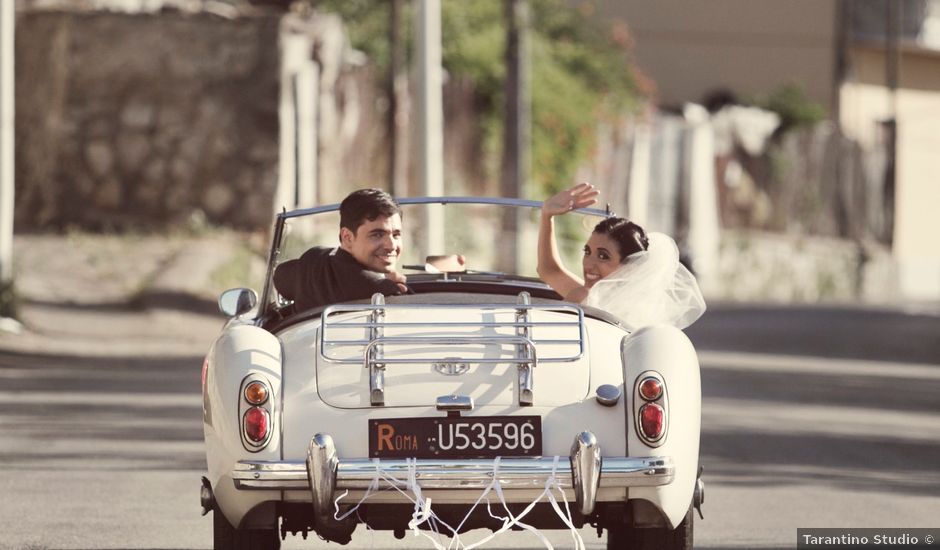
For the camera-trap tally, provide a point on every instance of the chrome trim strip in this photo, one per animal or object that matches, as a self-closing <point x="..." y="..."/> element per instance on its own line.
<point x="443" y="200"/>
<point x="391" y="340"/>
<point x="373" y="354"/>
<point x="474" y="325"/>
<point x="476" y="474"/>
<point x="508" y="306"/>
<point x="526" y="374"/>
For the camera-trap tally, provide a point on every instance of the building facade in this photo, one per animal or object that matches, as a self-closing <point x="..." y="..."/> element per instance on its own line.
<point x="874" y="65"/>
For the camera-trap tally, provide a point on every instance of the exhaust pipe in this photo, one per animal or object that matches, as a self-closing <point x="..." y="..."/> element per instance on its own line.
<point x="698" y="495"/>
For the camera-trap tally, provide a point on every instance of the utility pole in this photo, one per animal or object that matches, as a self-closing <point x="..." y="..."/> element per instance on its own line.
<point x="516" y="134"/>
<point x="397" y="104"/>
<point x="7" y="90"/>
<point x="430" y="118"/>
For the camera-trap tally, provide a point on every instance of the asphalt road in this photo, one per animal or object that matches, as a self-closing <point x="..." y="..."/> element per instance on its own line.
<point x="812" y="418"/>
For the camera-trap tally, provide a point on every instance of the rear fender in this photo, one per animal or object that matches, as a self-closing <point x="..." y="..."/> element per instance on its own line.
<point x="241" y="351"/>
<point x="667" y="351"/>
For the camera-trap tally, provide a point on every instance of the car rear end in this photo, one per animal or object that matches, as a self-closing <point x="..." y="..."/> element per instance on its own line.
<point x="379" y="404"/>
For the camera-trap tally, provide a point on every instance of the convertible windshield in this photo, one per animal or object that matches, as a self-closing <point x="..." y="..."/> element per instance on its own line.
<point x="493" y="238"/>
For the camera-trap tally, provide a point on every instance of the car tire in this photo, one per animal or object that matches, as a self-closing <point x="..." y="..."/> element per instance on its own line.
<point x="626" y="537"/>
<point x="227" y="537"/>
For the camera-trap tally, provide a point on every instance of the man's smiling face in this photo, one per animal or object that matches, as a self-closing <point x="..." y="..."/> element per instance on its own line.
<point x="376" y="244"/>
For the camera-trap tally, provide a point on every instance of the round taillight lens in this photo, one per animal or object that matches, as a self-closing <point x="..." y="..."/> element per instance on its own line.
<point x="256" y="393"/>
<point x="652" y="421"/>
<point x="651" y="389"/>
<point x="256" y="424"/>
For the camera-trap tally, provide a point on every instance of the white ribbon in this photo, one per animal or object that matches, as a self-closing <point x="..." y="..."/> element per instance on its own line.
<point x="424" y="514"/>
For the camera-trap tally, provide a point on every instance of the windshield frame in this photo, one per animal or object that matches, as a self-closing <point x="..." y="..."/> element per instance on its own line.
<point x="282" y="218"/>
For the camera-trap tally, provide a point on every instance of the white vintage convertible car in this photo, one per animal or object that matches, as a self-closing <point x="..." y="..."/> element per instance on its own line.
<point x="480" y="402"/>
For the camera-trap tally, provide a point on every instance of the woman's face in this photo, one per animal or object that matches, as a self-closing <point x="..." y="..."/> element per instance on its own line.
<point x="601" y="258"/>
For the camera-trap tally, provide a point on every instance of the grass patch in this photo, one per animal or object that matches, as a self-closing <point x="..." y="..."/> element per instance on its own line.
<point x="243" y="269"/>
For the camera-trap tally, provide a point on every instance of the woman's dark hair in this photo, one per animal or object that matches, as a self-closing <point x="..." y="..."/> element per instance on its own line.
<point x="629" y="236"/>
<point x="366" y="205"/>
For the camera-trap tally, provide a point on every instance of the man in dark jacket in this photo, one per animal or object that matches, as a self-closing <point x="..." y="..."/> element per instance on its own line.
<point x="364" y="263"/>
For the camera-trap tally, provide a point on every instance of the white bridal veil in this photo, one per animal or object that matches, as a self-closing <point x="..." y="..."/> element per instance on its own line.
<point x="652" y="287"/>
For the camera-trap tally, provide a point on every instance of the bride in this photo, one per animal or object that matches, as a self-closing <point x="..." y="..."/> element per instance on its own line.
<point x="635" y="276"/>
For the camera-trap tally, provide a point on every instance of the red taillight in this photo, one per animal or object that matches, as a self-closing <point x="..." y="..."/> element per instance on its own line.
<point x="650" y="389"/>
<point x="652" y="421"/>
<point x="256" y="424"/>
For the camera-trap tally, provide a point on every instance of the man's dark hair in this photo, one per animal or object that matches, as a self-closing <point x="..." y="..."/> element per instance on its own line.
<point x="629" y="236"/>
<point x="366" y="205"/>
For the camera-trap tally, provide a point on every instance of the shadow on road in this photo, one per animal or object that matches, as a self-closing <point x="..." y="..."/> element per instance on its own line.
<point x="872" y="439"/>
<point x="114" y="413"/>
<point x="848" y="463"/>
<point x="825" y="389"/>
<point x="101" y="374"/>
<point x="882" y="460"/>
<point x="820" y="332"/>
<point x="149" y="298"/>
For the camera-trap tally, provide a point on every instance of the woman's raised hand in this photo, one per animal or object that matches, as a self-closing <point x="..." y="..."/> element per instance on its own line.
<point x="579" y="196"/>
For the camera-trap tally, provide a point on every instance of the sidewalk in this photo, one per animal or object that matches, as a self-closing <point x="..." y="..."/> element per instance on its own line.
<point x="105" y="295"/>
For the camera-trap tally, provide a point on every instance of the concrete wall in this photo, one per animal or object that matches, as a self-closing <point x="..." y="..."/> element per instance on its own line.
<point x="750" y="47"/>
<point x="774" y="267"/>
<point x="135" y="121"/>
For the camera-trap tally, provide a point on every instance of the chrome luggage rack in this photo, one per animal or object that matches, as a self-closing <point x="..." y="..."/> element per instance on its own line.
<point x="525" y="347"/>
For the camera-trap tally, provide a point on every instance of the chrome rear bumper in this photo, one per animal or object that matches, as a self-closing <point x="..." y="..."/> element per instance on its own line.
<point x="323" y="473"/>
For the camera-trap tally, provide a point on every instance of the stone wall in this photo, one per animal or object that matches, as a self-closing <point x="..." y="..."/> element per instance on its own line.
<point x="144" y="122"/>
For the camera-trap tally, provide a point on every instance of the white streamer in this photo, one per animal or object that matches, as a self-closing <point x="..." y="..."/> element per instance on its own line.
<point x="423" y="512"/>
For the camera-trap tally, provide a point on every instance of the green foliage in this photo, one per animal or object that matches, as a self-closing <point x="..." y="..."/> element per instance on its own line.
<point x="367" y="24"/>
<point x="474" y="43"/>
<point x="795" y="109"/>
<point x="580" y="74"/>
<point x="563" y="125"/>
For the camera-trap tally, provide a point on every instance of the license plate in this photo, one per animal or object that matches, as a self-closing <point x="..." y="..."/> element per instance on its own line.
<point x="455" y="437"/>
